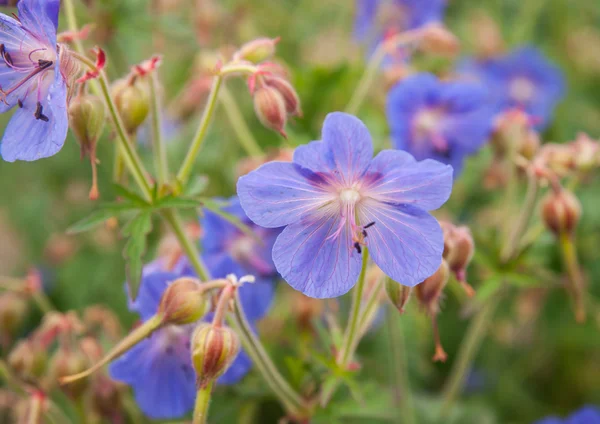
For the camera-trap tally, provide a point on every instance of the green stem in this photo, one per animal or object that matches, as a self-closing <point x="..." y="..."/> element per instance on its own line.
<point x="42" y="302"/>
<point x="81" y="412"/>
<point x="351" y="334"/>
<point x="577" y="283"/>
<point x="525" y="214"/>
<point x="72" y="23"/>
<point x="160" y="153"/>
<point x="401" y="381"/>
<point x="189" y="247"/>
<point x="366" y="81"/>
<point x="202" y="403"/>
<point x="133" y="338"/>
<point x="247" y="141"/>
<point x="369" y="311"/>
<point x="466" y="354"/>
<point x="291" y="400"/>
<point x="188" y="163"/>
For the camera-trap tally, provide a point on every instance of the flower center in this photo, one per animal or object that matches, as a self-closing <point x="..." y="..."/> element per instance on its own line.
<point x="522" y="89"/>
<point x="427" y="126"/>
<point x="349" y="196"/>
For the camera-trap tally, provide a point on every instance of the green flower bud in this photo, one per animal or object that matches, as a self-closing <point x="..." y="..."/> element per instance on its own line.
<point x="183" y="302"/>
<point x="133" y="102"/>
<point x="87" y="116"/>
<point x="213" y="350"/>
<point x="257" y="51"/>
<point x="28" y="359"/>
<point x="397" y="294"/>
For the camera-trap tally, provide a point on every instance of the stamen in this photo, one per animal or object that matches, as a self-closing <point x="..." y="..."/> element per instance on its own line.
<point x="369" y="225"/>
<point x="39" y="113"/>
<point x="357" y="247"/>
<point x="5" y="55"/>
<point x="20" y="103"/>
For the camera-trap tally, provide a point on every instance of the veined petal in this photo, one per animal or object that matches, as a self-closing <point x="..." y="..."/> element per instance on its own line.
<point x="27" y="138"/>
<point x="40" y="16"/>
<point x="279" y="193"/>
<point x="405" y="242"/>
<point x="348" y="146"/>
<point x="315" y="261"/>
<point x="399" y="179"/>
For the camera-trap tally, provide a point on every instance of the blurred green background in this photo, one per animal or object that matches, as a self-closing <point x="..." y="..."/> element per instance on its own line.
<point x="536" y="361"/>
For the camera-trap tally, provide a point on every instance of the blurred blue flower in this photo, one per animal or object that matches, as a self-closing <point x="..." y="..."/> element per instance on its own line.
<point x="31" y="78"/>
<point x="586" y="415"/>
<point x="159" y="369"/>
<point x="445" y="121"/>
<point x="228" y="250"/>
<point x="523" y="79"/>
<point x="170" y="126"/>
<point x="335" y="197"/>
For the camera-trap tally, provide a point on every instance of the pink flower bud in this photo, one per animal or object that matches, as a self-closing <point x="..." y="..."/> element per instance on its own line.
<point x="183" y="302"/>
<point x="270" y="108"/>
<point x="289" y="94"/>
<point x="429" y="291"/>
<point x="213" y="350"/>
<point x="561" y="212"/>
<point x="257" y="51"/>
<point x="439" y="40"/>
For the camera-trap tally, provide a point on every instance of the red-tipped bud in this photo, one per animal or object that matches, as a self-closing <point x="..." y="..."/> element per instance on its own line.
<point x="397" y="294"/>
<point x="459" y="248"/>
<point x="133" y="102"/>
<point x="183" y="302"/>
<point x="213" y="350"/>
<point x="289" y="94"/>
<point x="561" y="212"/>
<point x="13" y="308"/>
<point x="257" y="51"/>
<point x="438" y="39"/>
<point x="429" y="291"/>
<point x="270" y="108"/>
<point x="67" y="362"/>
<point x="28" y="359"/>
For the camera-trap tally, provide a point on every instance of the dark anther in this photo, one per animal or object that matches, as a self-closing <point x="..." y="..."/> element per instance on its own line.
<point x="44" y="63"/>
<point x="38" y="113"/>
<point x="5" y="55"/>
<point x="20" y="103"/>
<point x="169" y="350"/>
<point x="370" y="224"/>
<point x="357" y="247"/>
<point x="364" y="233"/>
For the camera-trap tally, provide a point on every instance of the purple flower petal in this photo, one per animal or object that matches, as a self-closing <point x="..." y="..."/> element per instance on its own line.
<point x="40" y="16"/>
<point x="405" y="242"/>
<point x="28" y="138"/>
<point x="312" y="260"/>
<point x="279" y="193"/>
<point x="402" y="180"/>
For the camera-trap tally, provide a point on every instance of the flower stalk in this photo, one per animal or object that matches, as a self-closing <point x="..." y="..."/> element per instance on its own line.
<point x="576" y="279"/>
<point x="160" y="153"/>
<point x="236" y="119"/>
<point x="202" y="404"/>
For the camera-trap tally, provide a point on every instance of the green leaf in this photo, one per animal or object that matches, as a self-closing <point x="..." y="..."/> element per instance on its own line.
<point x="171" y="202"/>
<point x="136" y="231"/>
<point x="100" y="216"/>
<point x="123" y="192"/>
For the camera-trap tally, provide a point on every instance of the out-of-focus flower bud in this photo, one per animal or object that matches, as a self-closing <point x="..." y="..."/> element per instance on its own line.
<point x="429" y="291"/>
<point x="133" y="102"/>
<point x="13" y="307"/>
<point x="213" y="350"/>
<point x="397" y="294"/>
<point x="459" y="248"/>
<point x="66" y="362"/>
<point x="183" y="302"/>
<point x="586" y="153"/>
<point x="511" y="130"/>
<point x="87" y="115"/>
<point x="106" y="397"/>
<point x="486" y="36"/>
<point x="257" y="51"/>
<point x="28" y="359"/>
<point x="305" y="309"/>
<point x="290" y="97"/>
<point x="529" y="145"/>
<point x="559" y="158"/>
<point x="270" y="108"/>
<point x="561" y="211"/>
<point x="437" y="39"/>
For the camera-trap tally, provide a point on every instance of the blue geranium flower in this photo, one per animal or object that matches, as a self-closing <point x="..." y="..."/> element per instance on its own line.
<point x="445" y="121"/>
<point x="586" y="415"/>
<point x="523" y="79"/>
<point x="159" y="369"/>
<point x="335" y="197"/>
<point x="31" y="78"/>
<point x="228" y="250"/>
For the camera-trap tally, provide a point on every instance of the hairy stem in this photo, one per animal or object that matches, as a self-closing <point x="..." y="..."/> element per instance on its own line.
<point x="236" y="119"/>
<point x="160" y="153"/>
<point x="576" y="280"/>
<point x="202" y="403"/>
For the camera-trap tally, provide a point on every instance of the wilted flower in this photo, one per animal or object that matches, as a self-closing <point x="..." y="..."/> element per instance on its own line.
<point x="160" y="368"/>
<point x="523" y="79"/>
<point x="335" y="198"/>
<point x="228" y="250"/>
<point x="445" y="121"/>
<point x="34" y="78"/>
